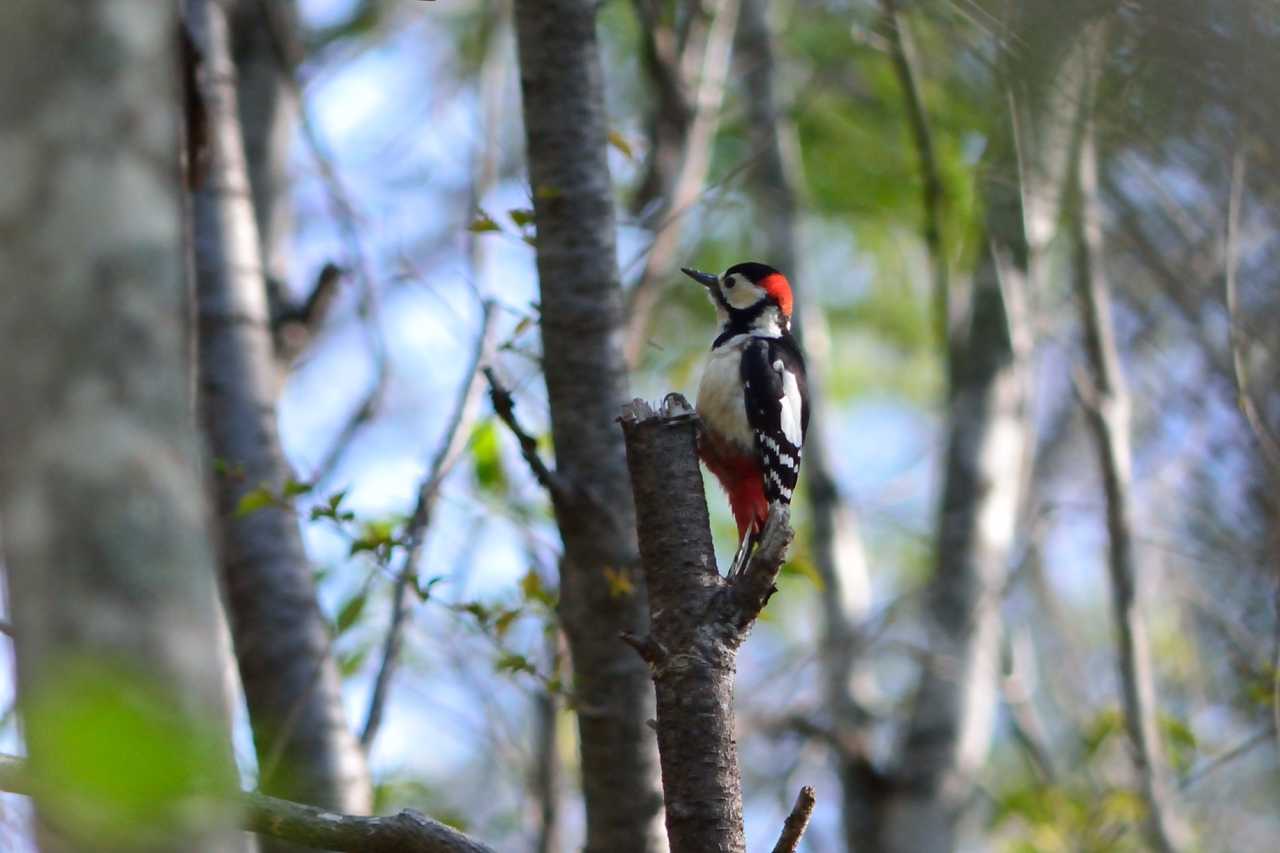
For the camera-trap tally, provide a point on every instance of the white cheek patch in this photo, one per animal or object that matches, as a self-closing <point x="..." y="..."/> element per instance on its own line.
<point x="743" y="294"/>
<point x="791" y="406"/>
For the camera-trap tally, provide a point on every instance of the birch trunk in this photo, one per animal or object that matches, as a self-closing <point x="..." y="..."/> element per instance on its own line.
<point x="1108" y="414"/>
<point x="581" y="303"/>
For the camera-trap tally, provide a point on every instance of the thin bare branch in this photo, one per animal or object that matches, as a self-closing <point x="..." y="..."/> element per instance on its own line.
<point x="447" y="454"/>
<point x="1106" y="401"/>
<point x="1267" y="440"/>
<point x="1227" y="756"/>
<point x="687" y="183"/>
<point x="797" y="822"/>
<point x="504" y="408"/>
<point x="904" y="68"/>
<point x="344" y="215"/>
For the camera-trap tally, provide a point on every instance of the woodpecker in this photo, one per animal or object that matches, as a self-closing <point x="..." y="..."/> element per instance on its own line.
<point x="752" y="400"/>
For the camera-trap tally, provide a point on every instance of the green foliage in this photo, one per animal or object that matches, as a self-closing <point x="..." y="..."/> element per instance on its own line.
<point x="349" y="612"/>
<point x="533" y="590"/>
<point x="1180" y="743"/>
<point x="117" y="759"/>
<point x="378" y="537"/>
<point x="483" y="223"/>
<point x="486" y="458"/>
<point x="264" y="496"/>
<point x="1047" y="818"/>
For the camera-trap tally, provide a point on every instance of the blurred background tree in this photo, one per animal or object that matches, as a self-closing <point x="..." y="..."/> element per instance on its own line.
<point x="1032" y="604"/>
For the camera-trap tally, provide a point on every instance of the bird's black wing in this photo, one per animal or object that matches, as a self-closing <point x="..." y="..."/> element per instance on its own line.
<point x="774" y="388"/>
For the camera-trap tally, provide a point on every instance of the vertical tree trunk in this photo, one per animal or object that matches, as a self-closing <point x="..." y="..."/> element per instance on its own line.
<point x="305" y="749"/>
<point x="1107" y="406"/>
<point x="109" y="563"/>
<point x="950" y="729"/>
<point x="699" y="620"/>
<point x="264" y="40"/>
<point x="835" y="537"/>
<point x="581" y="304"/>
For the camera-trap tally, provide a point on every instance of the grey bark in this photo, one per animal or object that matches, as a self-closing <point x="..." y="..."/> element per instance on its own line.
<point x="1107" y="407"/>
<point x="305" y="749"/>
<point x="699" y="620"/>
<point x="107" y="553"/>
<point x="585" y="372"/>
<point x="264" y="38"/>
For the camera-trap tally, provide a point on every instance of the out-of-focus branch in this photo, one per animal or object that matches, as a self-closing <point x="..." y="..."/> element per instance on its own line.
<point x="406" y="832"/>
<point x="504" y="407"/>
<point x="687" y="183"/>
<point x="797" y="822"/>
<point x="698" y="621"/>
<point x="294" y="325"/>
<point x="345" y="217"/>
<point x="548" y="766"/>
<point x="904" y="68"/>
<point x="447" y="454"/>
<point x="1106" y="401"/>
<point x="1267" y="441"/>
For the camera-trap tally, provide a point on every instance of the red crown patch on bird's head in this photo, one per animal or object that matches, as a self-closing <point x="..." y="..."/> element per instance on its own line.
<point x="777" y="286"/>
<point x="769" y="280"/>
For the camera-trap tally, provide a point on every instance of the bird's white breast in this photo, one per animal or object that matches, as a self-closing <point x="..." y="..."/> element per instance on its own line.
<point x="720" y="394"/>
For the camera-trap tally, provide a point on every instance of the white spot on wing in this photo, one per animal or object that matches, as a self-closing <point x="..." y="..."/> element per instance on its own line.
<point x="792" y="407"/>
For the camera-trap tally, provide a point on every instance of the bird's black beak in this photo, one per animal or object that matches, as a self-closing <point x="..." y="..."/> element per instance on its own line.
<point x="705" y="279"/>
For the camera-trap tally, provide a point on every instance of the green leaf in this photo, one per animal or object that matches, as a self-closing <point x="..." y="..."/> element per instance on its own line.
<point x="424" y="589"/>
<point x="618" y="141"/>
<point x="521" y="216"/>
<point x="533" y="590"/>
<point x="293" y="488"/>
<point x="513" y="663"/>
<point x="112" y="757"/>
<point x="350" y="612"/>
<point x="482" y="223"/>
<point x="486" y="457"/>
<point x="254" y="500"/>
<point x="350" y="663"/>
<point x="376" y="535"/>
<point x="1103" y="726"/>
<point x="504" y="621"/>
<point x="478" y="610"/>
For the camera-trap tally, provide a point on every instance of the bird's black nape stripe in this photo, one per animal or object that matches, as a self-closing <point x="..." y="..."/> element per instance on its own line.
<point x="742" y="319"/>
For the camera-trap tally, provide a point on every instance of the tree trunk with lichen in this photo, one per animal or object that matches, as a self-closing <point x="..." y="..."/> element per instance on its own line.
<point x="108" y="559"/>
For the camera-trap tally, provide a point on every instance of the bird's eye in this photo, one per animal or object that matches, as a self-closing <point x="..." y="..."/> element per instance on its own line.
<point x="729" y="282"/>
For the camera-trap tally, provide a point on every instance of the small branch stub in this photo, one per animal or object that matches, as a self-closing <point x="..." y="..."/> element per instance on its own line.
<point x="797" y="822"/>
